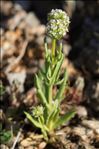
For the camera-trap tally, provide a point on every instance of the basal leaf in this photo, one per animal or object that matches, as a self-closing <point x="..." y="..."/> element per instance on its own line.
<point x="63" y="119"/>
<point x="36" y="123"/>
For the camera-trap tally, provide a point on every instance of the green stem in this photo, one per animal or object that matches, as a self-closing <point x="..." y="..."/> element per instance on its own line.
<point x="53" y="49"/>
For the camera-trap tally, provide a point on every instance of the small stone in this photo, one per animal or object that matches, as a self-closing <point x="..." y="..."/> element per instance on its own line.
<point x="97" y="131"/>
<point x="42" y="145"/>
<point x="92" y="124"/>
<point x="2" y="146"/>
<point x="29" y="147"/>
<point x="66" y="49"/>
<point x="20" y="147"/>
<point x="19" y="77"/>
<point x="40" y="40"/>
<point x="26" y="142"/>
<point x="81" y="132"/>
<point x="81" y="111"/>
<point x="31" y="20"/>
<point x="87" y="146"/>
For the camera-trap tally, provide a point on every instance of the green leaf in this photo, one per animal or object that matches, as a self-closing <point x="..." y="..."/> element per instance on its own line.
<point x="2" y="89"/>
<point x="62" y="88"/>
<point x="50" y="116"/>
<point x="53" y="119"/>
<point x="44" y="134"/>
<point x="39" y="90"/>
<point x="53" y="116"/>
<point x="63" y="119"/>
<point x="41" y="74"/>
<point x="47" y="65"/>
<point x="37" y="124"/>
<point x="56" y="70"/>
<point x="46" y="46"/>
<point x="48" y="73"/>
<point x="5" y="136"/>
<point x="58" y="57"/>
<point x="41" y="119"/>
<point x="59" y="82"/>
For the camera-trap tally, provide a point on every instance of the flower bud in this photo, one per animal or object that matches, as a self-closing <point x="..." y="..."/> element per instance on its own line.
<point x="58" y="23"/>
<point x="38" y="111"/>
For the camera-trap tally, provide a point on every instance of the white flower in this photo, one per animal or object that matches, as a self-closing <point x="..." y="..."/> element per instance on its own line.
<point x="58" y="23"/>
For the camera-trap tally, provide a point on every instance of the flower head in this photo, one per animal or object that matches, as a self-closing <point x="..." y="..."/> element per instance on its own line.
<point x="58" y="23"/>
<point x="38" y="111"/>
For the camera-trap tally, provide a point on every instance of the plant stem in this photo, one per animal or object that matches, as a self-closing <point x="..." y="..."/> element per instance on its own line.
<point x="53" y="49"/>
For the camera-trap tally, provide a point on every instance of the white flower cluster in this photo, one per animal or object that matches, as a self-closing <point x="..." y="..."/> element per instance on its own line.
<point x="58" y="23"/>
